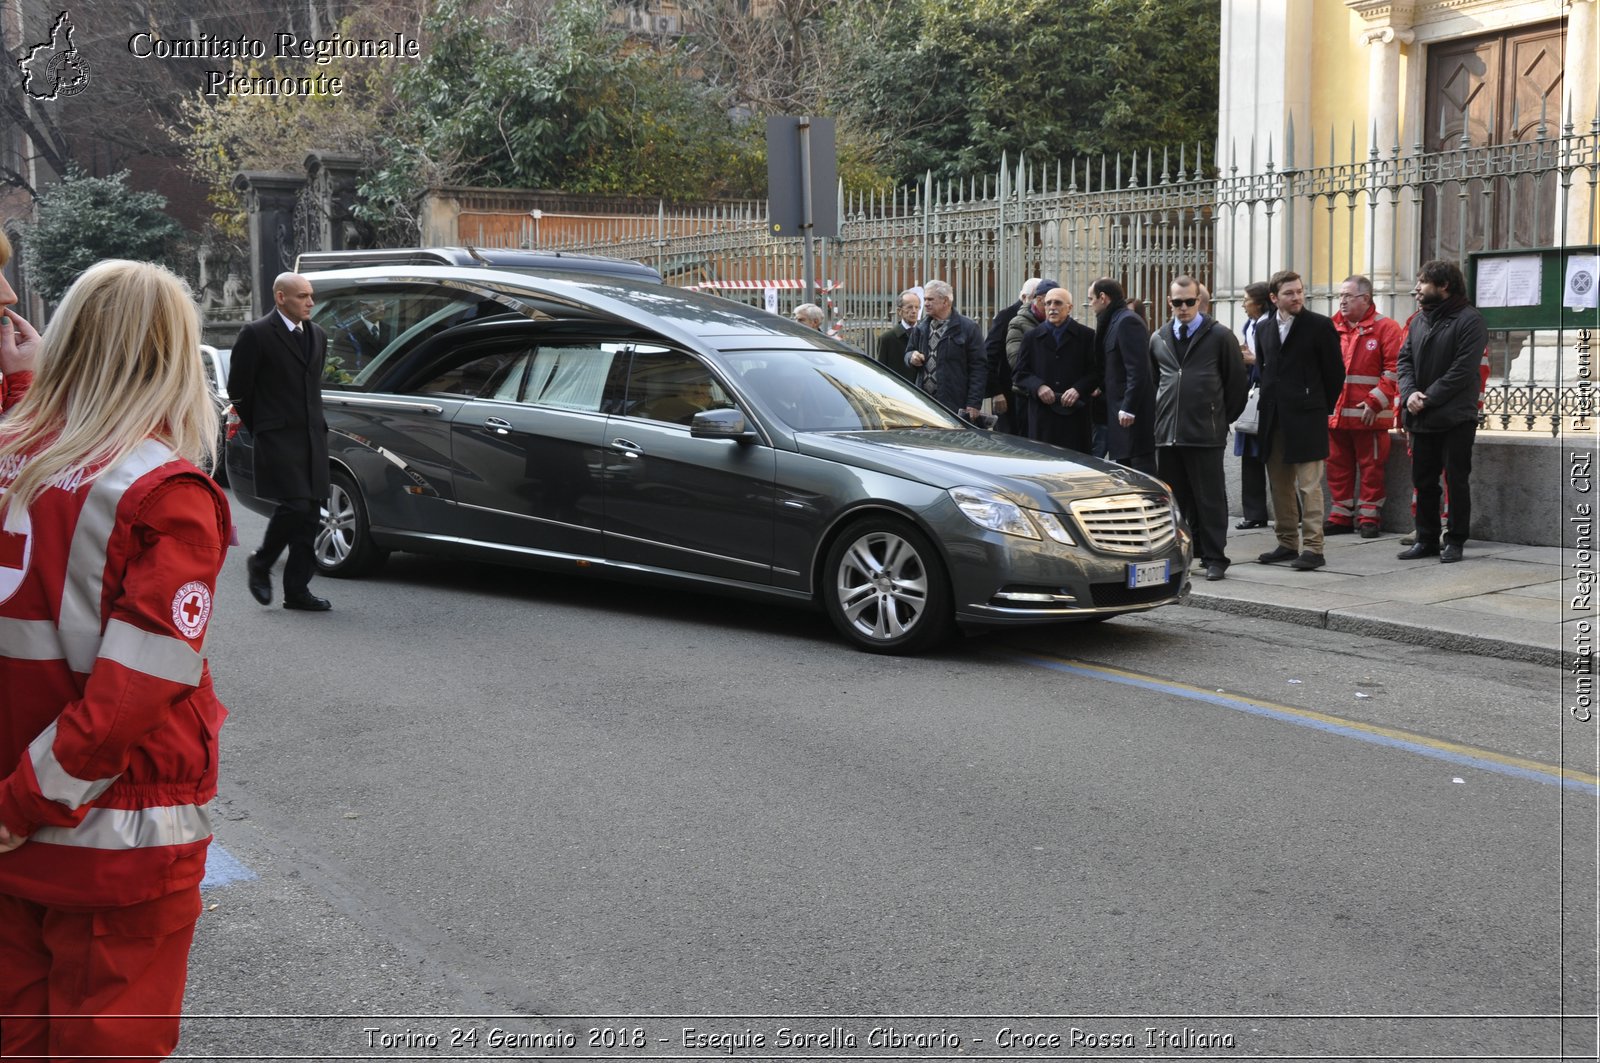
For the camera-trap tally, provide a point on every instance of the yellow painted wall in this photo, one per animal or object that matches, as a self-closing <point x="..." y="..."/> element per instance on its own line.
<point x="1338" y="107"/>
<point x="1338" y="78"/>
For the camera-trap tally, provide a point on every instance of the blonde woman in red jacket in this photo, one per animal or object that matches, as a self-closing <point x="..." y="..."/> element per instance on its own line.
<point x="111" y="544"/>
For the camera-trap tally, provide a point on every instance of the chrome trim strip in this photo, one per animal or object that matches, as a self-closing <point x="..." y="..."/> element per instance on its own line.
<point x="123" y="828"/>
<point x="521" y="516"/>
<point x="57" y="783"/>
<point x="339" y="398"/>
<point x="686" y="550"/>
<point x="1000" y="612"/>
<point x="162" y="656"/>
<point x="764" y="589"/>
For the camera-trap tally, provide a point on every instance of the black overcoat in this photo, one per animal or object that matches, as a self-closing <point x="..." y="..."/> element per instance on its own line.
<point x="1125" y="341"/>
<point x="1301" y="379"/>
<point x="276" y="387"/>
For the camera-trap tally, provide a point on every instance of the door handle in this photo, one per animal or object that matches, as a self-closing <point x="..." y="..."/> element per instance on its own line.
<point x="497" y="425"/>
<point x="629" y="448"/>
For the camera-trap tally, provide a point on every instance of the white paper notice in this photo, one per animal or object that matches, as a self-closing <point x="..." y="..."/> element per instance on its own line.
<point x="1582" y="289"/>
<point x="772" y="300"/>
<point x="1524" y="276"/>
<point x="1491" y="282"/>
<point x="1512" y="281"/>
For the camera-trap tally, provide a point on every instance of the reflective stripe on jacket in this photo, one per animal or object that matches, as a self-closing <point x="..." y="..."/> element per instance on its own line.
<point x="1370" y="348"/>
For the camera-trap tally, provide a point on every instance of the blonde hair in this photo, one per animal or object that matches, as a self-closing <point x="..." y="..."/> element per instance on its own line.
<point x="5" y="248"/>
<point x="118" y="364"/>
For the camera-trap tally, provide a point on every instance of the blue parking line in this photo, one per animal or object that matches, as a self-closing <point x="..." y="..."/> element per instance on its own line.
<point x="223" y="868"/>
<point x="1436" y="749"/>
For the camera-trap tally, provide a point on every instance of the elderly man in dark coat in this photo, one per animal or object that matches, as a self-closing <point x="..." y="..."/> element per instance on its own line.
<point x="1302" y="375"/>
<point x="276" y="387"/>
<point x="892" y="343"/>
<point x="946" y="349"/>
<point x="1058" y="371"/>
<point x="1123" y="344"/>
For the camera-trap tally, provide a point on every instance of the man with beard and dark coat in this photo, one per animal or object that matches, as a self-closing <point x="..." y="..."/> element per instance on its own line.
<point x="1439" y="387"/>
<point x="1122" y="344"/>
<point x="1200" y="391"/>
<point x="946" y="349"/>
<point x="1009" y="404"/>
<point x="1058" y="372"/>
<point x="1302" y="375"/>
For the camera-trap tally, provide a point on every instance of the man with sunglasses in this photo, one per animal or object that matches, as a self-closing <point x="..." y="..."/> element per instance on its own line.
<point x="1302" y="375"/>
<point x="1200" y="390"/>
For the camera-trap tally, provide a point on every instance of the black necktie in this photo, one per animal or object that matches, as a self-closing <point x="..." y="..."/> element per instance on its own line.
<point x="303" y="337"/>
<point x="1183" y="332"/>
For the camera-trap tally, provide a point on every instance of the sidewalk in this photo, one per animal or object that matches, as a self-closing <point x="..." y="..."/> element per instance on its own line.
<point x="1501" y="600"/>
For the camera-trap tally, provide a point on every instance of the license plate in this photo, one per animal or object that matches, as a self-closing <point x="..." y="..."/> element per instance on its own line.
<point x="1147" y="574"/>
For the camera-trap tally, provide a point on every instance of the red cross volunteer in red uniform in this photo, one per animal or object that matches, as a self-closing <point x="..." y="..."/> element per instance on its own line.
<point x="111" y="544"/>
<point x="1358" y="430"/>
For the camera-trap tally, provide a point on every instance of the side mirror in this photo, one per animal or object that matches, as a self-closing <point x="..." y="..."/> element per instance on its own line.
<point x="721" y="424"/>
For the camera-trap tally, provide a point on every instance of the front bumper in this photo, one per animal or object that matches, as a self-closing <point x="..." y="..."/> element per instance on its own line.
<point x="1003" y="579"/>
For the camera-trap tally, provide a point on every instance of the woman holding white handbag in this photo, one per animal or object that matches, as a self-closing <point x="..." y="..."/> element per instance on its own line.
<point x="1252" y="473"/>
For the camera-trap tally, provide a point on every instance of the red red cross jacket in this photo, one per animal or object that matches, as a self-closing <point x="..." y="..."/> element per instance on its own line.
<point x="108" y="724"/>
<point x="1371" y="349"/>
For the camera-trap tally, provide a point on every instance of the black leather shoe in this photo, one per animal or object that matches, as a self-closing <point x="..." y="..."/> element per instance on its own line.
<point x="1215" y="572"/>
<point x="1246" y="525"/>
<point x="1368" y="530"/>
<point x="1308" y="561"/>
<point x="1450" y="553"/>
<point x="307" y="601"/>
<point x="1331" y="528"/>
<point x="1416" y="550"/>
<point x="1281" y="553"/>
<point x="260" y="580"/>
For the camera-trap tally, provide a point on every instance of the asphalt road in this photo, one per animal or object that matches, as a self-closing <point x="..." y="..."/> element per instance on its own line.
<point x="474" y="799"/>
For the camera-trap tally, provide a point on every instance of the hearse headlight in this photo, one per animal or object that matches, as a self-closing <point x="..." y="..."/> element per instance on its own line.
<point x="991" y="510"/>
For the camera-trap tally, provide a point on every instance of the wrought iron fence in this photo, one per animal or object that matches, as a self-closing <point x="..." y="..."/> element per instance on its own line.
<point x="1147" y="218"/>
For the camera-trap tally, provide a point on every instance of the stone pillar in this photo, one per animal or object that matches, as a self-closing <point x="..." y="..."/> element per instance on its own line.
<point x="270" y="202"/>
<point x="1582" y="104"/>
<point x="440" y="216"/>
<point x="1383" y="125"/>
<point x="333" y="177"/>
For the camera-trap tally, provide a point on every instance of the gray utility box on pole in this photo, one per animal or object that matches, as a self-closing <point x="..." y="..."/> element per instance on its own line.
<point x="802" y="182"/>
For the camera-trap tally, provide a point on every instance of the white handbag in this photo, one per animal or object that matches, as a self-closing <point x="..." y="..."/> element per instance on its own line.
<point x="1249" y="421"/>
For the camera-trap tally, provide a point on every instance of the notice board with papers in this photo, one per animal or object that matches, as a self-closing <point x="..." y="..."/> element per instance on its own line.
<point x="1536" y="288"/>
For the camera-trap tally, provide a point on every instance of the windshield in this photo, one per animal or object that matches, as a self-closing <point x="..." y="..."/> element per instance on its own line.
<point x="829" y="391"/>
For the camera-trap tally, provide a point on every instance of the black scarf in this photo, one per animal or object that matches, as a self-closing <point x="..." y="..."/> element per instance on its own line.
<point x="1447" y="308"/>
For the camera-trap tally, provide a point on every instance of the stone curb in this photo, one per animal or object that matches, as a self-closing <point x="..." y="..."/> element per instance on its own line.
<point x="1394" y="631"/>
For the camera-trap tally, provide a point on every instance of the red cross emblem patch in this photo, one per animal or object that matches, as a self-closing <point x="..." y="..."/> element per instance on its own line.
<point x="16" y="550"/>
<point x="191" y="608"/>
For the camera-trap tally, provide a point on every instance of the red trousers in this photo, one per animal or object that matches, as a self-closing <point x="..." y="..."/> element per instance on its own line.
<point x="1351" y="450"/>
<point x="69" y="980"/>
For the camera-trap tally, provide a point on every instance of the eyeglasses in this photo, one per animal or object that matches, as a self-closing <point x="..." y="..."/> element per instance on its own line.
<point x="1350" y="295"/>
<point x="1183" y="302"/>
